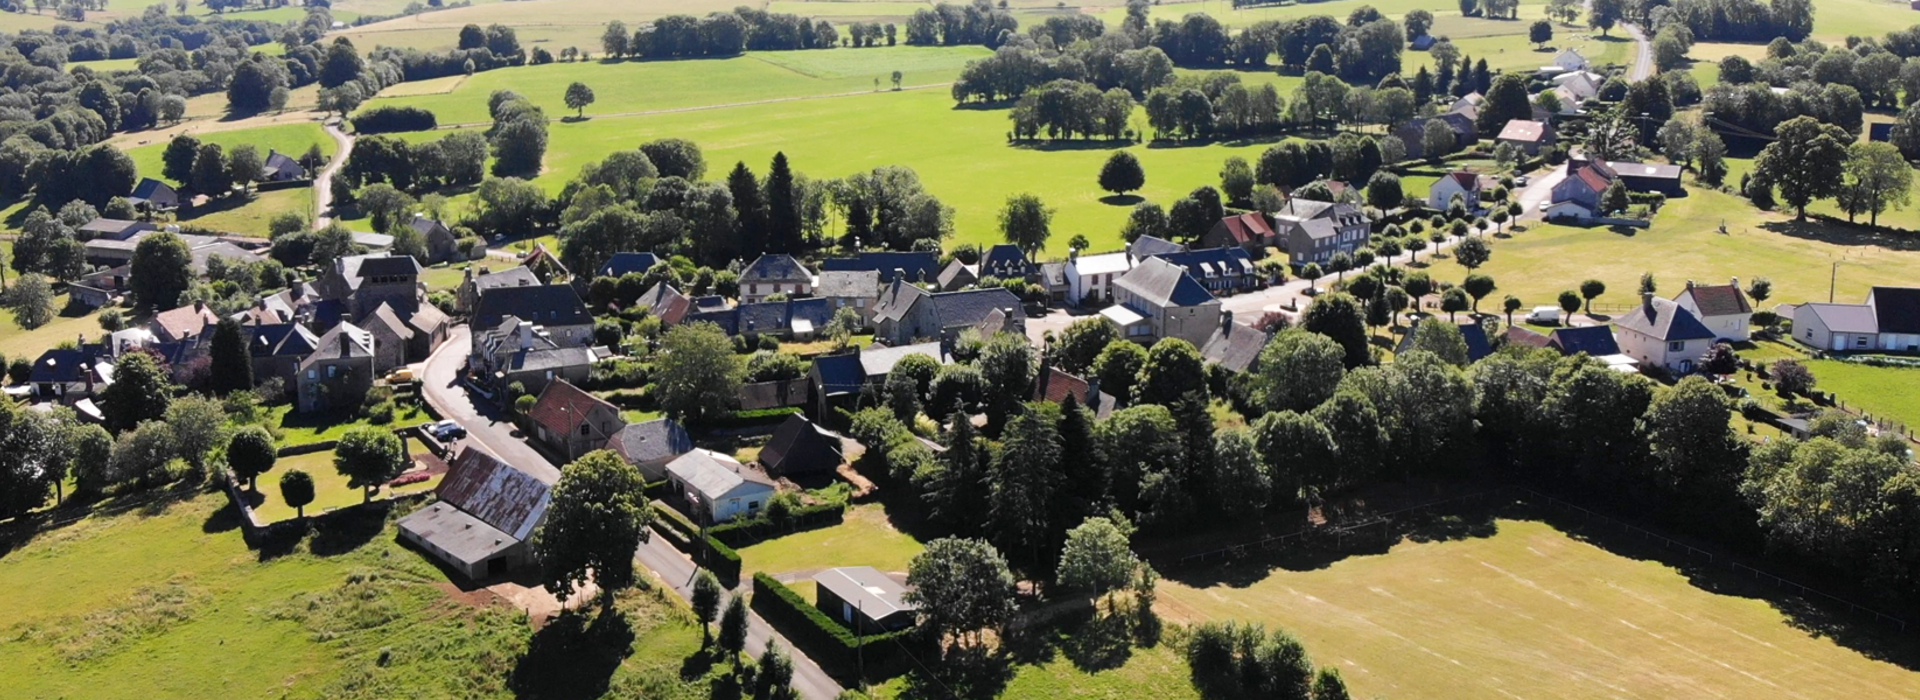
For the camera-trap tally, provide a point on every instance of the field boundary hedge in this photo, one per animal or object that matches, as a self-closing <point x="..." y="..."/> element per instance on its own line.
<point x="825" y="641"/>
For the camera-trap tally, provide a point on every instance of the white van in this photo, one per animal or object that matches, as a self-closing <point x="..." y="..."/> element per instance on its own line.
<point x="1545" y="315"/>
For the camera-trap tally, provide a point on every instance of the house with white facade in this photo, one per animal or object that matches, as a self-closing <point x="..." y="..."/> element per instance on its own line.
<point x="1664" y="333"/>
<point x="1723" y="307"/>
<point x="716" y="488"/>
<point x="1889" y="321"/>
<point x="1458" y="183"/>
<point x="1090" y="277"/>
<point x="1158" y="299"/>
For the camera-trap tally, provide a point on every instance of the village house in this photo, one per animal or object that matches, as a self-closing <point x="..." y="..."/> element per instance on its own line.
<point x="650" y="445"/>
<point x="623" y="264"/>
<point x="1090" y="277"/>
<point x="483" y="516"/>
<point x="905" y="313"/>
<point x="1459" y="183"/>
<point x="863" y="599"/>
<point x="854" y="289"/>
<point x="553" y="308"/>
<point x="1313" y="231"/>
<point x="1054" y="385"/>
<point x="339" y="372"/>
<point x="920" y="267"/>
<point x="153" y="195"/>
<point x="800" y="447"/>
<point x="956" y="276"/>
<point x="1663" y="333"/>
<point x="715" y="488"/>
<point x="1527" y="135"/>
<point x="1570" y="60"/>
<point x="1149" y="246"/>
<point x="518" y="352"/>
<point x="836" y="377"/>
<point x="1221" y="270"/>
<point x="1595" y="341"/>
<point x="194" y="320"/>
<point x="1158" y="299"/>
<point x="1723" y="308"/>
<point x="571" y="421"/>
<point x="281" y="168"/>
<point x="774" y="273"/>
<point x="1234" y="346"/>
<point x="442" y="244"/>
<point x="1889" y="321"/>
<point x="277" y="349"/>
<point x="1006" y="261"/>
<point x="472" y="284"/>
<point x="1577" y="196"/>
<point x="1249" y="231"/>
<point x="66" y="376"/>
<point x="664" y="303"/>
<point x="1471" y="332"/>
<point x="1414" y="132"/>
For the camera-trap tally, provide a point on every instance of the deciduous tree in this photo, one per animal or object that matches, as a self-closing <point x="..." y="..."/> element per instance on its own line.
<point x="597" y="516"/>
<point x="370" y="457"/>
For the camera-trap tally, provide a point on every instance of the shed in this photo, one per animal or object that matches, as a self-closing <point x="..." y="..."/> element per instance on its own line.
<point x="864" y="599"/>
<point x="800" y="447"/>
<point x="485" y="512"/>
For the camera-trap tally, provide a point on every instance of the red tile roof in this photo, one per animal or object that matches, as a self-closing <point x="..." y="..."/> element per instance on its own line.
<point x="1056" y="385"/>
<point x="1593" y="177"/>
<point x="562" y="406"/>
<point x="1249" y="227"/>
<point x="1467" y="181"/>
<point x="1524" y="130"/>
<point x="1717" y="300"/>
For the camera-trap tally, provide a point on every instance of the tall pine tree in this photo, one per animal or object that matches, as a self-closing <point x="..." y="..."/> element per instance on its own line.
<point x="230" y="366"/>
<point x="783" y="209"/>
<point x="1079" y="466"/>
<point x="1024" y="477"/>
<point x="750" y="209"/>
<point x="956" y="489"/>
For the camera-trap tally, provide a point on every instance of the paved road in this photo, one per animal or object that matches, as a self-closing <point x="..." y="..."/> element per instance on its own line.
<point x="323" y="183"/>
<point x="490" y="429"/>
<point x="1643" y="55"/>
<point x="485" y="424"/>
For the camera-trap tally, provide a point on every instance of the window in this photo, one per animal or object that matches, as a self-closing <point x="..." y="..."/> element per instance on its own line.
<point x="312" y="373"/>
<point x="753" y="505"/>
<point x="585" y="429"/>
<point x="332" y="371"/>
<point x="1676" y="346"/>
<point x="1860" y="341"/>
<point x="859" y="303"/>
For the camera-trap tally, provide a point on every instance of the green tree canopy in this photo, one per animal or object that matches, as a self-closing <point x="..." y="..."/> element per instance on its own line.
<point x="597" y="517"/>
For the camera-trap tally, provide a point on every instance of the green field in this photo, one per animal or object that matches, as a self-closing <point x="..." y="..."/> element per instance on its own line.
<point x="865" y="538"/>
<point x="330" y="488"/>
<point x="168" y="602"/>
<point x="291" y="139"/>
<point x="16" y="342"/>
<point x="1885" y="392"/>
<point x="1531" y="612"/>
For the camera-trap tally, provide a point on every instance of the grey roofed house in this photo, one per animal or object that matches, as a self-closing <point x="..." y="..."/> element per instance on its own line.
<point x="281" y="168"/>
<point x="649" y="445"/>
<point x="1666" y="320"/>
<point x="154" y="194"/>
<point x="710" y="302"/>
<point x="957" y="275"/>
<point x="835" y="375"/>
<point x="1164" y="284"/>
<point x="1005" y="261"/>
<point x="485" y="512"/>
<point x="919" y="266"/>
<point x="849" y="284"/>
<point x="778" y="267"/>
<point x="377" y="242"/>
<point x="352" y="271"/>
<point x="116" y="229"/>
<point x="863" y="599"/>
<point x="1844" y="318"/>
<point x="970" y="307"/>
<point x="896" y="300"/>
<point x="1235" y="346"/>
<point x="626" y="263"/>
<point x="545" y="304"/>
<point x="800" y="447"/>
<point x="1596" y="341"/>
<point x="878" y="361"/>
<point x="665" y="303"/>
<point x="1149" y="246"/>
<point x="1475" y="336"/>
<point x="719" y="483"/>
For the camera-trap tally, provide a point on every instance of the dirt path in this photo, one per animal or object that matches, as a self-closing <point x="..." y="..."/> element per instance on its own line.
<point x="323" y="182"/>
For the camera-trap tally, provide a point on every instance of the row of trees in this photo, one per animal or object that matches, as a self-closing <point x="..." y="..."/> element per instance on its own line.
<point x="1811" y="161"/>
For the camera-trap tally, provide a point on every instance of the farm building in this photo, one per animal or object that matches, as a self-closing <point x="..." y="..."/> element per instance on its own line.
<point x="484" y="512"/>
<point x="863" y="598"/>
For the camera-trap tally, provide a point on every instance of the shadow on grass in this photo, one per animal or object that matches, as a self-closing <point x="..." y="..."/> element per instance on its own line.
<point x="698" y="665"/>
<point x="965" y="672"/>
<point x="1834" y="232"/>
<point x="1122" y="200"/>
<point x="22" y="530"/>
<point x="1321" y="549"/>
<point x="216" y="206"/>
<point x="572" y="657"/>
<point x="348" y="529"/>
<point x="1048" y="145"/>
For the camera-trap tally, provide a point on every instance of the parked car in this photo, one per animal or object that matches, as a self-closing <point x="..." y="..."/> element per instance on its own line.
<point x="447" y="431"/>
<point x="1522" y="181"/>
<point x="1544" y="315"/>
<point x="402" y="375"/>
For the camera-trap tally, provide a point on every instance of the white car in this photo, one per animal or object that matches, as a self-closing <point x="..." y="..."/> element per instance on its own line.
<point x="1545" y="205"/>
<point x="1522" y="181"/>
<point x="1545" y="315"/>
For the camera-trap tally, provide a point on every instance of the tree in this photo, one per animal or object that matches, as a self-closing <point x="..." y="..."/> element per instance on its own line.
<point x="1570" y="302"/>
<point x="1807" y="161"/>
<point x="1080" y="344"/>
<point x="578" y="97"/>
<point x="1603" y="14"/>
<point x="1759" y="289"/>
<point x="1122" y="173"/>
<point x="198" y="424"/>
<point x="31" y="301"/>
<point x="231" y="365"/>
<point x="1478" y="286"/>
<point x="1437" y="140"/>
<point x="1647" y="283"/>
<point x="1026" y="222"/>
<point x="1022" y="483"/>
<point x="1472" y="252"/>
<point x="370" y="457"/>
<point x="1540" y="33"/>
<point x="773" y="673"/>
<point x="1615" y="198"/>
<point x="1169" y="372"/>
<point x="1146" y="219"/>
<point x="597" y="516"/>
<point x="140" y="392"/>
<point x="243" y="165"/>
<point x="211" y="175"/>
<point x="1509" y="305"/>
<point x="1327" y="684"/>
<point x="733" y="626"/>
<point x="1878" y="178"/>
<point x="161" y="268"/>
<point x="1791" y="377"/>
<point x="1298" y="370"/>
<point x="1340" y="317"/>
<point x="1589" y="290"/>
<point x="706" y="603"/>
<point x="1441" y="338"/>
<point x="177" y="160"/>
<point x="296" y="489"/>
<point x="250" y="453"/>
<point x="1384" y="191"/>
<point x="784" y="220"/>
<point x="1118" y="367"/>
<point x="960" y="586"/>
<point x="698" y="374"/>
<point x="1097" y="557"/>
<point x="1453" y="301"/>
<point x="1506" y="100"/>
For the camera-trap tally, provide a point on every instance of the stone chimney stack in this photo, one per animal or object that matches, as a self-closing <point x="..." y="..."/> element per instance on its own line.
<point x="1735" y="282"/>
<point x="1646" y="301"/>
<point x="1226" y="322"/>
<point x="526" y="335"/>
<point x="900" y="273"/>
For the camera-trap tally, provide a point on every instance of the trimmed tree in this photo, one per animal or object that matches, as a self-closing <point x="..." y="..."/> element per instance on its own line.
<point x="250" y="453"/>
<point x="296" y="489"/>
<point x="706" y="603"/>
<point x="370" y="457"/>
<point x="1122" y="173"/>
<point x="597" y="517"/>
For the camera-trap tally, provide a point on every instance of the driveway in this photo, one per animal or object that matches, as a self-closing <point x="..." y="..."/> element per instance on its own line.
<point x="488" y="427"/>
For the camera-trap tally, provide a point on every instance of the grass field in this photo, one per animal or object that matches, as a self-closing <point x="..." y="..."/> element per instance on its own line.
<point x="329" y="486"/>
<point x="168" y="602"/>
<point x="17" y="342"/>
<point x="308" y="428"/>
<point x="291" y="139"/>
<point x="1531" y="612"/>
<point x="865" y="538"/>
<point x="1885" y="392"/>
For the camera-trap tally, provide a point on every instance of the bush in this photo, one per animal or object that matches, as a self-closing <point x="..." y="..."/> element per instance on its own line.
<point x="741" y="532"/>
<point x="827" y="642"/>
<point x="381" y="120"/>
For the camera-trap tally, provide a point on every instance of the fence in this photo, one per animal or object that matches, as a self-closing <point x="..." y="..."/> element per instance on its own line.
<point x="1339" y="537"/>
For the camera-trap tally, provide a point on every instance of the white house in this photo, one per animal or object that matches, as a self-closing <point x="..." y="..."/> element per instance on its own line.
<point x="717" y="487"/>
<point x="1569" y="59"/>
<point x="1723" y="308"/>
<point x="1092" y="276"/>
<point x="1662" y="332"/>
<point x="1581" y="85"/>
<point x="1459" y="183"/>
<point x="1889" y="321"/>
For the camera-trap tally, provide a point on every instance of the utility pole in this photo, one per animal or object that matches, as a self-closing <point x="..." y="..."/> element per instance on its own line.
<point x="1833" y="280"/>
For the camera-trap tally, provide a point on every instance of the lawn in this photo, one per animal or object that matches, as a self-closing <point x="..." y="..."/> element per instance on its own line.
<point x="329" y="486"/>
<point x="550" y="24"/>
<point x="1684" y="243"/>
<point x="291" y="139"/>
<point x="308" y="428"/>
<point x="444" y="277"/>
<point x="1886" y="392"/>
<point x="864" y="538"/>
<point x="168" y="602"/>
<point x="16" y="342"/>
<point x="1533" y="612"/>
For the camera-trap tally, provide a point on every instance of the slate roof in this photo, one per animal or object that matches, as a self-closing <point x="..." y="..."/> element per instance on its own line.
<point x="113" y="228"/>
<point x="1163" y="284"/>
<point x="377" y="241"/>
<point x="798" y="447"/>
<point x="896" y="299"/>
<point x="1224" y="261"/>
<point x="1528" y="337"/>
<point x="1249" y="227"/>
<point x="1005" y="261"/>
<point x="427" y="227"/>
<point x="651" y="441"/>
<point x="970" y="307"/>
<point x="1663" y="319"/>
<point x="72" y="366"/>
<point x="343" y="341"/>
<point x="919" y="266"/>
<point x="1595" y="341"/>
<point x="1717" y="299"/>
<point x="860" y="284"/>
<point x="562" y="406"/>
<point x="545" y="358"/>
<point x="151" y="190"/>
<point x="427" y="319"/>
<point x="957" y="274"/>
<point x="839" y="374"/>
<point x="1147" y="246"/>
<point x="1474" y="334"/>
<point x="874" y="594"/>
<point x="384" y="316"/>
<point x="1234" y="346"/>
<point x="279" y="163"/>
<point x="545" y="305"/>
<point x="776" y="266"/>
<point x="517" y="276"/>
<point x="1466" y="180"/>
<point x="1845" y="318"/>
<point x="382" y="265"/>
<point x="1897" y="309"/>
<point x="282" y="340"/>
<point x="665" y="303"/>
<point x="714" y="474"/>
<point x="1523" y="130"/>
<point x="624" y="263"/>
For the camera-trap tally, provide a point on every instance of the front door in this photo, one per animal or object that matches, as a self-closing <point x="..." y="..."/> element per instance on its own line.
<point x="1839" y="341"/>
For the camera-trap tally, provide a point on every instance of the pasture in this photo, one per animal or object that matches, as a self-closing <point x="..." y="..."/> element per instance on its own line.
<point x="330" y="488"/>
<point x="1517" y="608"/>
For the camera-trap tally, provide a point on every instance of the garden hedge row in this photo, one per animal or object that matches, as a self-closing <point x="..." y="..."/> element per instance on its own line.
<point x="740" y="533"/>
<point x="719" y="558"/>
<point x="381" y="120"/>
<point x="827" y="642"/>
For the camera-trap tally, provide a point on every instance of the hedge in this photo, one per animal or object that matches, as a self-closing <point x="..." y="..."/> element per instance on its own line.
<point x="740" y="533"/>
<point x="381" y="120"/>
<point x="720" y="559"/>
<point x="827" y="642"/>
<point x="764" y="416"/>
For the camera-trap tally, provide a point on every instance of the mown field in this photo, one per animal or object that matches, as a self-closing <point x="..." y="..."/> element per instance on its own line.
<point x="1528" y="611"/>
<point x="168" y="602"/>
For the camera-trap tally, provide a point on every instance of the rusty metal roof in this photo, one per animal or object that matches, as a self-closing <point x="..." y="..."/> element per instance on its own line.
<point x="495" y="492"/>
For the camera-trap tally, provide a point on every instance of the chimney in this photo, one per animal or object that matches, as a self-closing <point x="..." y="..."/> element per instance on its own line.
<point x="1073" y="254"/>
<point x="1646" y="301"/>
<point x="1689" y="284"/>
<point x="1226" y="323"/>
<point x="1735" y="282"/>
<point x="346" y="344"/>
<point x="900" y="274"/>
<point x="526" y="335"/>
<point x="199" y="305"/>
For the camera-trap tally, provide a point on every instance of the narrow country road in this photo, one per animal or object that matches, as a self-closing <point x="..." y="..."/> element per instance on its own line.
<point x="323" y="183"/>
<point x="494" y="432"/>
<point x="1642" y="55"/>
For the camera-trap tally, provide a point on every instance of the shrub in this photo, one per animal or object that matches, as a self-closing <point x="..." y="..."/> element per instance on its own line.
<point x="381" y="120"/>
<point x="827" y="642"/>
